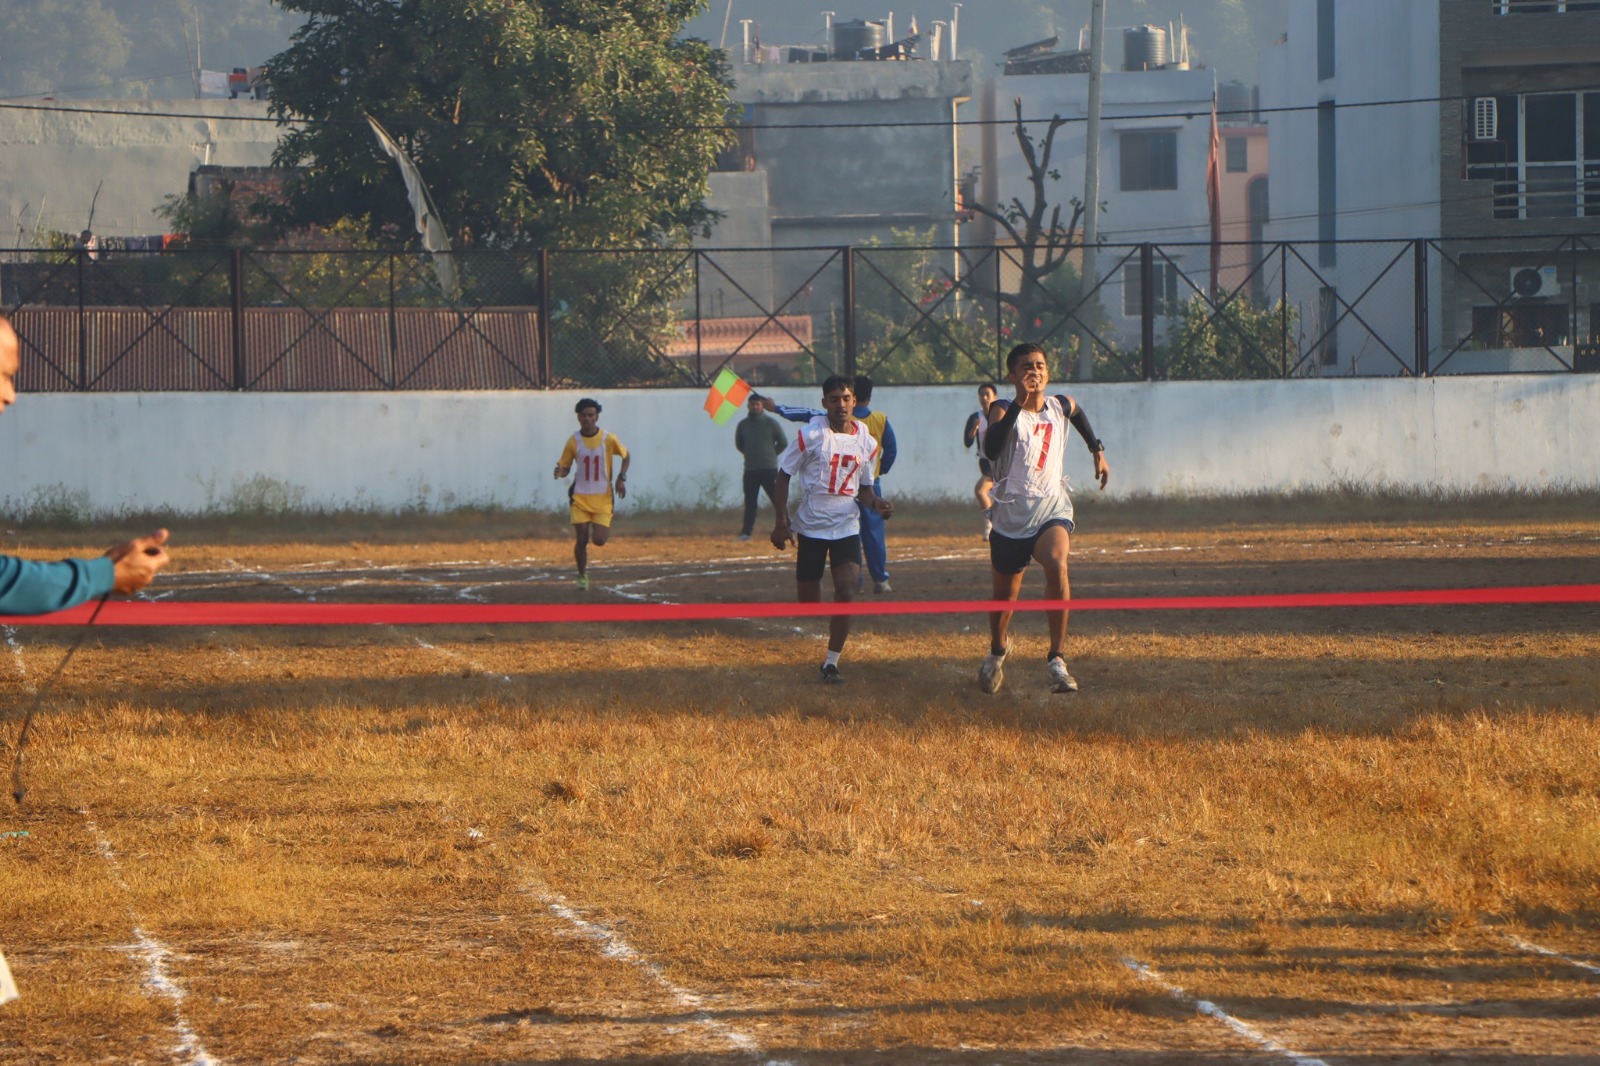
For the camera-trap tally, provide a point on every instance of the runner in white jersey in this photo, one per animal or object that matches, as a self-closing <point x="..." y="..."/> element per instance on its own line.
<point x="972" y="433"/>
<point x="830" y="460"/>
<point x="1032" y="511"/>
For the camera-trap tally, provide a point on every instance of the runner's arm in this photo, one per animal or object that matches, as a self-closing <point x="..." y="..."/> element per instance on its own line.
<point x="1000" y="429"/>
<point x="969" y="432"/>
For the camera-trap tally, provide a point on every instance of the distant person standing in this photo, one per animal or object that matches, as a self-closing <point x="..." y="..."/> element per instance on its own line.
<point x="760" y="439"/>
<point x="873" y="545"/>
<point x="591" y="450"/>
<point x="972" y="434"/>
<point x="1033" y="517"/>
<point x="831" y="459"/>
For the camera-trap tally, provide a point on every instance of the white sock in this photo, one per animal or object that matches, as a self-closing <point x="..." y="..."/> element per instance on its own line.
<point x="832" y="659"/>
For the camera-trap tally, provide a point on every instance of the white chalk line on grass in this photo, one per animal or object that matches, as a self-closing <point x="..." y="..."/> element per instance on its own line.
<point x="1211" y="1010"/>
<point x="277" y="579"/>
<point x="154" y="953"/>
<point x="613" y="946"/>
<point x="1535" y="949"/>
<point x="155" y="956"/>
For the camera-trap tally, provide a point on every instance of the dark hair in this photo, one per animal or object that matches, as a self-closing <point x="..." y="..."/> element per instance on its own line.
<point x="586" y="402"/>
<point x="991" y="386"/>
<point x="837" y="382"/>
<point x="863" y="388"/>
<point x="1025" y="348"/>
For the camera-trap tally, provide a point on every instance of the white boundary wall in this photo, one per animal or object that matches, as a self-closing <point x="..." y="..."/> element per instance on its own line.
<point x="207" y="452"/>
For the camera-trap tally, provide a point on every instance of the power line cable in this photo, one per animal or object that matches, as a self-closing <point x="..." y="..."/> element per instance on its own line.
<point x="1187" y="115"/>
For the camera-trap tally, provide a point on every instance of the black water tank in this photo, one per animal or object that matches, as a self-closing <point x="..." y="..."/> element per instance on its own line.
<point x="852" y="37"/>
<point x="1144" y="48"/>
<point x="1236" y="101"/>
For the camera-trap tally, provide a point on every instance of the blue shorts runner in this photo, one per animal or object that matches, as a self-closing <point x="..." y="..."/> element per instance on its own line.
<point x="814" y="553"/>
<point x="1010" y="555"/>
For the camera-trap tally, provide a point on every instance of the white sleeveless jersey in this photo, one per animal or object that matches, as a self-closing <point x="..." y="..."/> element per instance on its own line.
<point x="592" y="464"/>
<point x="1030" y="478"/>
<point x="829" y="470"/>
<point x="983" y="426"/>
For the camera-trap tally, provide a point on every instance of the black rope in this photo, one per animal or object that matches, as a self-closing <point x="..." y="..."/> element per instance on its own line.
<point x="17" y="791"/>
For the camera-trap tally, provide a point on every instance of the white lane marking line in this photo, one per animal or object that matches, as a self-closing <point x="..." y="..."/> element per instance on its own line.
<point x="1537" y="950"/>
<point x="1211" y="1010"/>
<point x="448" y="654"/>
<point x="155" y="955"/>
<point x="277" y="579"/>
<point x="644" y="597"/>
<point x="16" y="653"/>
<point x="613" y="946"/>
<point x="271" y="579"/>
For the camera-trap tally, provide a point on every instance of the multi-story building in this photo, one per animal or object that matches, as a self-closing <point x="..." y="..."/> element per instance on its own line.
<point x="1472" y="128"/>
<point x="1155" y="139"/>
<point x="843" y="146"/>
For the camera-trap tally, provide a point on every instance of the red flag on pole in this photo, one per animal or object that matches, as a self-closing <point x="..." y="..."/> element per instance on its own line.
<point x="1214" y="196"/>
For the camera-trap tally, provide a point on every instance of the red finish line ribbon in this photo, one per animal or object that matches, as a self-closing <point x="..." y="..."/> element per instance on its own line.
<point x="171" y="613"/>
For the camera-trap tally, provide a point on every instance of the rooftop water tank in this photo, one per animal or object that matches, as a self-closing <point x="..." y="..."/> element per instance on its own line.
<point x="852" y="37"/>
<point x="1236" y="102"/>
<point x="1144" y="48"/>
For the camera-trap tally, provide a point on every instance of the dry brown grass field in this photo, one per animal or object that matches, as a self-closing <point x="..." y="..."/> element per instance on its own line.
<point x="1359" y="835"/>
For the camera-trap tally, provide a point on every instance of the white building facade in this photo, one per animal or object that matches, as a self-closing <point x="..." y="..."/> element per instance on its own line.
<point x="1468" y="127"/>
<point x="1155" y="138"/>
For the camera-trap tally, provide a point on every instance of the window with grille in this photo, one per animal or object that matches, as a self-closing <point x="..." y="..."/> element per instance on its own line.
<point x="1543" y="160"/>
<point x="1148" y="160"/>
<point x="1529" y="325"/>
<point x="1163" y="284"/>
<point x="1238" y="154"/>
<point x="1543" y="7"/>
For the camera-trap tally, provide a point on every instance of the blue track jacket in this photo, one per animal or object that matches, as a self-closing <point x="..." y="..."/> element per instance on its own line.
<point x="40" y="588"/>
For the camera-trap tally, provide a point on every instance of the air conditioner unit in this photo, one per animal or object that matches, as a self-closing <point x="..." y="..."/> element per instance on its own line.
<point x="1529" y="282"/>
<point x="1485" y="118"/>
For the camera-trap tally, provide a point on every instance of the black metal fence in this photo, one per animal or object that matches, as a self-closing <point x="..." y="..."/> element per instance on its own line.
<point x="335" y="320"/>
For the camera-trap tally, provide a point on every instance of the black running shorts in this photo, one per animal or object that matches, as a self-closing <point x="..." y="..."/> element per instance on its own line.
<point x="815" y="554"/>
<point x="1010" y="555"/>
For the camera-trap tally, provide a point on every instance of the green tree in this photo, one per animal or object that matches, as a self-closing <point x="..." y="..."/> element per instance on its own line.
<point x="534" y="122"/>
<point x="51" y="45"/>
<point x="1040" y="247"/>
<point x="1235" y="341"/>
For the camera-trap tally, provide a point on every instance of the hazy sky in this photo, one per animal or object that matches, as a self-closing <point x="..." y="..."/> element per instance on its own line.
<point x="120" y="48"/>
<point x="1225" y="34"/>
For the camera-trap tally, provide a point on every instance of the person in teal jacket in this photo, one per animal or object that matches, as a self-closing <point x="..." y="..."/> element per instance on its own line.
<point x="39" y="588"/>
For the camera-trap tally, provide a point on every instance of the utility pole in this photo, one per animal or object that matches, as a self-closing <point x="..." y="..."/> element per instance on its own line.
<point x="1091" y="190"/>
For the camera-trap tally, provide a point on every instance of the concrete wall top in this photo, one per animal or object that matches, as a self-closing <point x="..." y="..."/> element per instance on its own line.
<point x="52" y="162"/>
<point x="189" y="453"/>
<point x="849" y="82"/>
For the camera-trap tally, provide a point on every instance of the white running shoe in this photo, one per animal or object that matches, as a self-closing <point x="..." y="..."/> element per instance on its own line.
<point x="988" y="526"/>
<point x="881" y="587"/>
<point x="992" y="674"/>
<point x="1060" y="680"/>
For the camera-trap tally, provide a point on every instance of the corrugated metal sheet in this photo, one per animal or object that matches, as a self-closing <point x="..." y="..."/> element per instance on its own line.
<point x="123" y="349"/>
